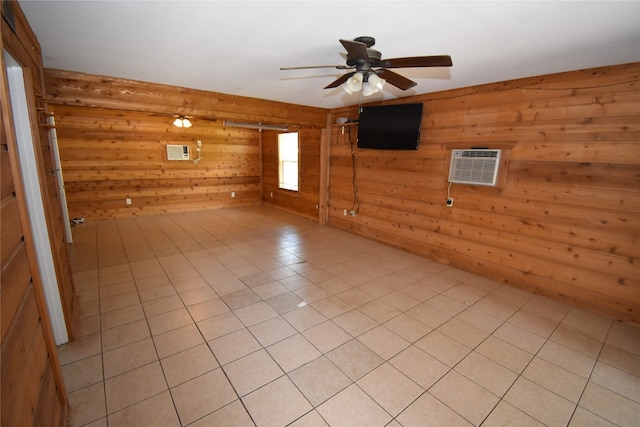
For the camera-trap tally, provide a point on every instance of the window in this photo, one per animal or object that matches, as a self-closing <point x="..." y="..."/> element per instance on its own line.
<point x="288" y="161"/>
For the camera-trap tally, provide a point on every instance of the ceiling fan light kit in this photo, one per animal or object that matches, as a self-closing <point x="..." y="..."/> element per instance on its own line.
<point x="371" y="72"/>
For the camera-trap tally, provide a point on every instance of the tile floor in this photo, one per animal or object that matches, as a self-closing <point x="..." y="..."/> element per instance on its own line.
<point x="251" y="316"/>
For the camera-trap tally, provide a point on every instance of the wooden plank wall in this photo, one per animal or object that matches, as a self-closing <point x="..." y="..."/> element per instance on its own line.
<point x="113" y="133"/>
<point x="306" y="200"/>
<point x="32" y="387"/>
<point x="566" y="221"/>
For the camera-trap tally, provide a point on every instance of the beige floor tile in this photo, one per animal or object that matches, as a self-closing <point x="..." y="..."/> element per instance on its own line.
<point x="539" y="403"/>
<point x="188" y="364"/>
<point x="583" y="418"/>
<point x="355" y="322"/>
<point x="319" y="380"/>
<point x="121" y="316"/>
<point x="390" y="388"/>
<point x="576" y="340"/>
<point x="129" y="357"/>
<point x="202" y="396"/>
<point x="169" y="321"/>
<point x="285" y="260"/>
<point x="443" y="348"/>
<point x="234" y="414"/>
<point x="310" y="419"/>
<point x="421" y="367"/>
<point x="155" y="292"/>
<point x="555" y="379"/>
<point x="125" y="334"/>
<point x="620" y="359"/>
<point x="162" y="305"/>
<point x="217" y="326"/>
<point x="331" y="307"/>
<point x="293" y="352"/>
<point x="198" y="295"/>
<point x="81" y="348"/>
<point x="354" y="359"/>
<point x="119" y="301"/>
<point x="272" y="330"/>
<point x="429" y="411"/>
<point x="255" y="313"/>
<point x="207" y="309"/>
<point x="617" y="381"/>
<point x="352" y="407"/>
<point x="284" y="302"/>
<point x="384" y="342"/>
<point x="486" y="373"/>
<point x="571" y="360"/>
<point x="276" y="404"/>
<point x="270" y="290"/>
<point x="505" y="354"/>
<point x="464" y="396"/>
<point x="252" y="372"/>
<point x="462" y="332"/>
<point x="429" y="315"/>
<point x="326" y="336"/>
<point x="234" y="346"/>
<point x="525" y="340"/>
<point x="156" y="411"/>
<point x="304" y="318"/>
<point x="82" y="373"/>
<point x="507" y="415"/>
<point x="177" y="340"/>
<point x="87" y="405"/>
<point x="134" y="386"/>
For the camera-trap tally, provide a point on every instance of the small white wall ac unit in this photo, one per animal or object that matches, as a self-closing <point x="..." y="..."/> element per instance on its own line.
<point x="177" y="152"/>
<point x="476" y="166"/>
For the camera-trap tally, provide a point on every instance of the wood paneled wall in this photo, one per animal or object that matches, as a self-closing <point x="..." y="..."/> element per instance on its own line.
<point x="113" y="133"/>
<point x="306" y="200"/>
<point x="32" y="387"/>
<point x="566" y="221"/>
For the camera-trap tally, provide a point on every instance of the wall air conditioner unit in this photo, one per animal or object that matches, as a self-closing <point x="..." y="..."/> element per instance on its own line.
<point x="177" y="152"/>
<point x="476" y="166"/>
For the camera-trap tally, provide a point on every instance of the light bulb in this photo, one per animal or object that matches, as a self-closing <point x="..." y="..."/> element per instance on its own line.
<point x="376" y="82"/>
<point x="178" y="122"/>
<point x="355" y="82"/>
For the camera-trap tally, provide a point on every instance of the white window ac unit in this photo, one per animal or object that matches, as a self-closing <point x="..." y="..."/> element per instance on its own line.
<point x="476" y="166"/>
<point x="177" y="152"/>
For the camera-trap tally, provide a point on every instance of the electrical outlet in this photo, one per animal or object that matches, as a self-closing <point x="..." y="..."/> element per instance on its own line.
<point x="127" y="201"/>
<point x="450" y="202"/>
<point x="344" y="212"/>
<point x="199" y="143"/>
<point x="233" y="194"/>
<point x="352" y="213"/>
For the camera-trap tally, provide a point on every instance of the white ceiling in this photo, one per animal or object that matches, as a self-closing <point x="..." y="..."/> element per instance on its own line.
<point x="237" y="47"/>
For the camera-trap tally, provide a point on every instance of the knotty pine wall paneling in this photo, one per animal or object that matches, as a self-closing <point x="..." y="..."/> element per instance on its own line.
<point x="565" y="222"/>
<point x="306" y="201"/>
<point x="33" y="391"/>
<point x="113" y="133"/>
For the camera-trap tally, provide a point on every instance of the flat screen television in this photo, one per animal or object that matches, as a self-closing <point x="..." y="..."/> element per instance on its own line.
<point x="390" y="127"/>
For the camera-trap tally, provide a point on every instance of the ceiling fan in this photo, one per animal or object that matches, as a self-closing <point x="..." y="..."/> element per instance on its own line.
<point x="371" y="72"/>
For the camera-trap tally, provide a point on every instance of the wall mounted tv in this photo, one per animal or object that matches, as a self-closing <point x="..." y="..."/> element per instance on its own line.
<point x="390" y="127"/>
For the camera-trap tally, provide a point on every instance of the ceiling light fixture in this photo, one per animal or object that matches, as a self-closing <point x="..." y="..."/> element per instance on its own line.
<point x="182" y="122"/>
<point x="258" y="126"/>
<point x="368" y="82"/>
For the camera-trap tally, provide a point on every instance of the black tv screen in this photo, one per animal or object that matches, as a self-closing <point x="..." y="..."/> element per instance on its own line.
<point x="390" y="127"/>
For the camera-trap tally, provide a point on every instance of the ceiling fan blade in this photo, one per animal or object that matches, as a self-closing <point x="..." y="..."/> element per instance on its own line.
<point x="339" y="67"/>
<point x="396" y="79"/>
<point x="356" y="50"/>
<point x="343" y="78"/>
<point x="418" y="61"/>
